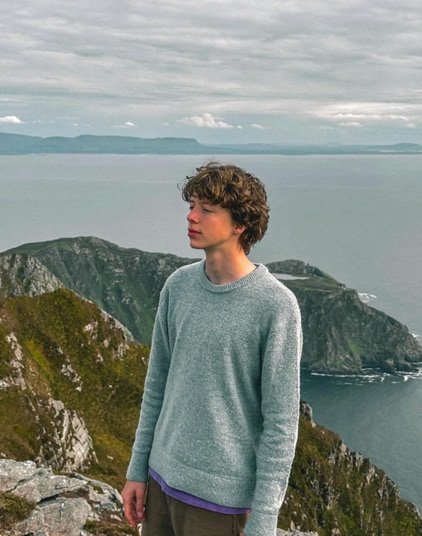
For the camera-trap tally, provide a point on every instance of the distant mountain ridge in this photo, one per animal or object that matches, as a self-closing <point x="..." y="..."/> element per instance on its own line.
<point x="17" y="144"/>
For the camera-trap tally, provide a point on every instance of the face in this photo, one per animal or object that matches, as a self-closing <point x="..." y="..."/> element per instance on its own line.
<point x="211" y="227"/>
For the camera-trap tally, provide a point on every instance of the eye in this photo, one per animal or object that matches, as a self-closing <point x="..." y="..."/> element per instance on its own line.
<point x="207" y="207"/>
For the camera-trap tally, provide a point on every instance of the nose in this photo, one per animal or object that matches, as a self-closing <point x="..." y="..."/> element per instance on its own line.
<point x="192" y="215"/>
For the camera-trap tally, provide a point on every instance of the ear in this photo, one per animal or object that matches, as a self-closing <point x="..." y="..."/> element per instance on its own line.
<point x="238" y="229"/>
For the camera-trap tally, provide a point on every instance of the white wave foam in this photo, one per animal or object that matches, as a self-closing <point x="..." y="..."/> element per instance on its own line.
<point x="374" y="376"/>
<point x="365" y="297"/>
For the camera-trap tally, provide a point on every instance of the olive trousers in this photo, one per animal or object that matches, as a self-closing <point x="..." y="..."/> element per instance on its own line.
<point x="166" y="516"/>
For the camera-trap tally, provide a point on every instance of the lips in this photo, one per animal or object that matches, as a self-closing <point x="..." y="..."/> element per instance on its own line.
<point x="192" y="233"/>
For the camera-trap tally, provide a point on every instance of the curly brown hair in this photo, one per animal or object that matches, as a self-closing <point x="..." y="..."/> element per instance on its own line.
<point x="237" y="190"/>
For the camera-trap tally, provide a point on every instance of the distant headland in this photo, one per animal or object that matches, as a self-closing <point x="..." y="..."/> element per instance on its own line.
<point x="17" y="144"/>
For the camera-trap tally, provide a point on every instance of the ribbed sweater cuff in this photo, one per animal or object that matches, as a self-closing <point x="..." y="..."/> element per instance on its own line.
<point x="136" y="473"/>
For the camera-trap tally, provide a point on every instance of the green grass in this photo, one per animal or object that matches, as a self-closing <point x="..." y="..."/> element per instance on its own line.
<point x="13" y="509"/>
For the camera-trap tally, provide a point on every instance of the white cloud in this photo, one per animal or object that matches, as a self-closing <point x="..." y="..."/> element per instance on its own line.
<point x="365" y="113"/>
<point x="11" y="119"/>
<point x="351" y="124"/>
<point x="206" y="120"/>
<point x="127" y="124"/>
<point x="291" y="66"/>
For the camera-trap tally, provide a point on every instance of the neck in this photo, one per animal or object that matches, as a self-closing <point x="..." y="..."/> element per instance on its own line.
<point x="223" y="269"/>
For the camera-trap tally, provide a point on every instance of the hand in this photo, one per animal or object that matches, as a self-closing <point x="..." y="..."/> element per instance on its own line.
<point x="134" y="502"/>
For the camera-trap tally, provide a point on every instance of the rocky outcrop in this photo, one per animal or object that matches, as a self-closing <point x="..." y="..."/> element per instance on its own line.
<point x="67" y="446"/>
<point x="62" y="505"/>
<point x="342" y="335"/>
<point x="24" y="275"/>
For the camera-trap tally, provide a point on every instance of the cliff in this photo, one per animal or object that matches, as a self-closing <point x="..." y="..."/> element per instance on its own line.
<point x="23" y="275"/>
<point x="124" y="282"/>
<point x="70" y="386"/>
<point x="342" y="335"/>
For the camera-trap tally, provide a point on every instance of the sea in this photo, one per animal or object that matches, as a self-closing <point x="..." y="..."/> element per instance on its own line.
<point x="358" y="218"/>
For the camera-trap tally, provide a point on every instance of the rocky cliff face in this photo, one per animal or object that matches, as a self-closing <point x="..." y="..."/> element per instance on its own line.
<point x="23" y="275"/>
<point x="124" y="282"/>
<point x="342" y="335"/>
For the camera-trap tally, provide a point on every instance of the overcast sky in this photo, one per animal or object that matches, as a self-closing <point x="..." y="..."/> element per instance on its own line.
<point x="281" y="71"/>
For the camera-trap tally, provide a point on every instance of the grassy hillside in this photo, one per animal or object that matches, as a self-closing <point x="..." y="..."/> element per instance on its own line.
<point x="58" y="346"/>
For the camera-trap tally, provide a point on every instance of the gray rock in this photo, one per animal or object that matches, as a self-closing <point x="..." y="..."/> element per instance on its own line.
<point x="23" y="275"/>
<point x="61" y="517"/>
<point x="63" y="503"/>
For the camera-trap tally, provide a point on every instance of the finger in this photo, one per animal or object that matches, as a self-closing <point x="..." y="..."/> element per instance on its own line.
<point x="141" y="515"/>
<point x="130" y="514"/>
<point x="140" y="505"/>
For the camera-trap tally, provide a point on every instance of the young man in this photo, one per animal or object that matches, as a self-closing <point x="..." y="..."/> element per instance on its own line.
<point x="218" y="426"/>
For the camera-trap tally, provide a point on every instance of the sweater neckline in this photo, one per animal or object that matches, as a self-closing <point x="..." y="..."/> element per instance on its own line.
<point x="227" y="287"/>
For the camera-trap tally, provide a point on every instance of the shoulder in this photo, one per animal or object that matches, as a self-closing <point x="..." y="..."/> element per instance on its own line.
<point x="186" y="271"/>
<point x="274" y="293"/>
<point x="269" y="282"/>
<point x="182" y="275"/>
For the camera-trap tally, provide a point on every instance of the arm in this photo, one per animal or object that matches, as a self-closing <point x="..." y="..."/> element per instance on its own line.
<point x="280" y="388"/>
<point x="134" y="502"/>
<point x="153" y="396"/>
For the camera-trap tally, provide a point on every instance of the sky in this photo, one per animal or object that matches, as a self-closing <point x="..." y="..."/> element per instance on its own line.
<point x="220" y="71"/>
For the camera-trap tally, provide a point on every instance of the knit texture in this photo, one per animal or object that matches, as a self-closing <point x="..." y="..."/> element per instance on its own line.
<point x="220" y="411"/>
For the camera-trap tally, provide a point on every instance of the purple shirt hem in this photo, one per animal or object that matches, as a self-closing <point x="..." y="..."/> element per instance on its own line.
<point x="195" y="501"/>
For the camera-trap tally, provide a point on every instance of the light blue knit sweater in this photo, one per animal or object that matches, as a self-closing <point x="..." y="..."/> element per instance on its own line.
<point x="220" y="410"/>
